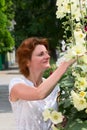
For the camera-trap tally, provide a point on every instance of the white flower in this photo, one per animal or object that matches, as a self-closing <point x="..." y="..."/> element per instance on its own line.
<point x="75" y="7"/>
<point x="83" y="59"/>
<point x="74" y="51"/>
<point x="81" y="83"/>
<point x="63" y="8"/>
<point x="75" y="74"/>
<point x="82" y="94"/>
<point x="78" y="101"/>
<point x="79" y="36"/>
<point x="46" y="114"/>
<point x="75" y="11"/>
<point x="56" y="117"/>
<point x="59" y="2"/>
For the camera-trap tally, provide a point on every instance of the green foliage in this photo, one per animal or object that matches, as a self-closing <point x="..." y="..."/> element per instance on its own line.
<point x="9" y="10"/>
<point x="3" y="20"/>
<point x="49" y="71"/>
<point x="66" y="83"/>
<point x="2" y="3"/>
<point x="6" y="39"/>
<point x="37" y="18"/>
<point x="77" y="125"/>
<point x="75" y="119"/>
<point x="7" y="42"/>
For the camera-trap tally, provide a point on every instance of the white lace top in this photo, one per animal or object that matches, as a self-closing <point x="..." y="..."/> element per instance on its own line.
<point x="28" y="114"/>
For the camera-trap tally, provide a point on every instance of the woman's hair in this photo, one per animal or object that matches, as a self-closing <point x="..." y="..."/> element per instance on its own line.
<point x="24" y="52"/>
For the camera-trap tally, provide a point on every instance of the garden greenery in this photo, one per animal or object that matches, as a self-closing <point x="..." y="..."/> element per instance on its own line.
<point x="73" y="85"/>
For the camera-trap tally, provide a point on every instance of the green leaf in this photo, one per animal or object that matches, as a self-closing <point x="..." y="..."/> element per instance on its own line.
<point x="67" y="103"/>
<point x="76" y="125"/>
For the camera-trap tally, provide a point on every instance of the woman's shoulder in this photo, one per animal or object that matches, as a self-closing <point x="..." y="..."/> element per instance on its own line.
<point x="21" y="79"/>
<point x="15" y="80"/>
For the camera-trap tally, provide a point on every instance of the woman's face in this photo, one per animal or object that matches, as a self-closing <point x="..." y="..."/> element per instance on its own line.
<point x="40" y="59"/>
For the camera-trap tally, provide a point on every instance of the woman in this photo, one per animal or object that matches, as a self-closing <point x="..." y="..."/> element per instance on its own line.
<point x="31" y="94"/>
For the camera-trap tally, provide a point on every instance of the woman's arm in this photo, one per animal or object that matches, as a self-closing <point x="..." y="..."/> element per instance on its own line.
<point x="22" y="91"/>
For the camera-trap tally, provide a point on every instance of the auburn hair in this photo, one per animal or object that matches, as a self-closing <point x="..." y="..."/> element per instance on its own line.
<point x="24" y="52"/>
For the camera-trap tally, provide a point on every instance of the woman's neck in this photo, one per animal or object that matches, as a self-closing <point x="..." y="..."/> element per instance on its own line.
<point x="36" y="80"/>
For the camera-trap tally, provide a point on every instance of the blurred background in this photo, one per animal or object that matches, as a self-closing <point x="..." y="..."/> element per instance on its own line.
<point x="20" y="19"/>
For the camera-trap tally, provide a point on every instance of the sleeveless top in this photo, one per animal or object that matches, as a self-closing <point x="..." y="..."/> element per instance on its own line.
<point x="28" y="114"/>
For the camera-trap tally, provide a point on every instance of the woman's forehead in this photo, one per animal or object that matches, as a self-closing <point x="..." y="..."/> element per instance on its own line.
<point x="40" y="48"/>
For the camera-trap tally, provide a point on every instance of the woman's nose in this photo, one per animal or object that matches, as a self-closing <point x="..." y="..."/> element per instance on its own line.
<point x="47" y="55"/>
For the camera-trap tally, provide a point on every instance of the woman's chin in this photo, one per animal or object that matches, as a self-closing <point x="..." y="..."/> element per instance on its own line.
<point x="47" y="67"/>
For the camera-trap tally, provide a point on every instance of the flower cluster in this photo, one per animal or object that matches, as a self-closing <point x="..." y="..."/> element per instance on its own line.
<point x="76" y="12"/>
<point x="54" y="116"/>
<point x="74" y="83"/>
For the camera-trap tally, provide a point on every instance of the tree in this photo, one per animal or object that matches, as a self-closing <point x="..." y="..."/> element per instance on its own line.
<point x="37" y="18"/>
<point x="6" y="39"/>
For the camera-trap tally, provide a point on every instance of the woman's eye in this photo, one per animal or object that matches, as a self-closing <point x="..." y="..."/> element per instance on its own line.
<point x="41" y="54"/>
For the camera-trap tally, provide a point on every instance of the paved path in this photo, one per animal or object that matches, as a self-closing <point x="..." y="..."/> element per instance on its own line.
<point x="6" y="115"/>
